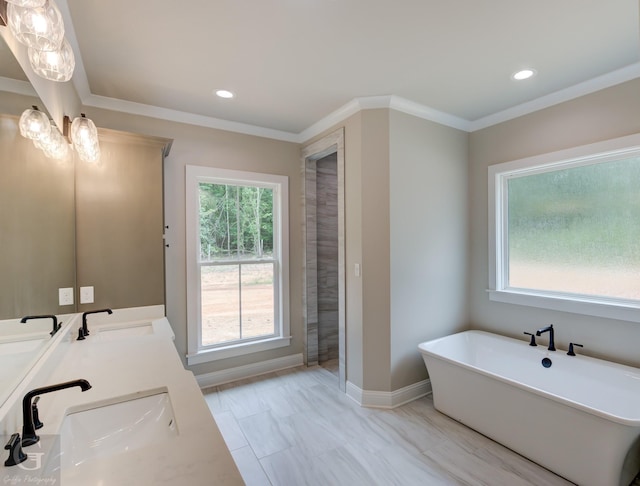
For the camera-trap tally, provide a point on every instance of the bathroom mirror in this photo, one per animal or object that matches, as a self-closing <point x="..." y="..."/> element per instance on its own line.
<point x="37" y="212"/>
<point x="37" y="234"/>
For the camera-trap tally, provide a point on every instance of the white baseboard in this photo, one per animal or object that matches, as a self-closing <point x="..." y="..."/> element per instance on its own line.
<point x="215" y="378"/>
<point x="377" y="399"/>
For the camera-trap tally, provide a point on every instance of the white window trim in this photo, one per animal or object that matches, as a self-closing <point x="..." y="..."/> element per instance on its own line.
<point x="627" y="310"/>
<point x="193" y="176"/>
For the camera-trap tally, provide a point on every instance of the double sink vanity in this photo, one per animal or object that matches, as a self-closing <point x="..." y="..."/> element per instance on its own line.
<point x="127" y="413"/>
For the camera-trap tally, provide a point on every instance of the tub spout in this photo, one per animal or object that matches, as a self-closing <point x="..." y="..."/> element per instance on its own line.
<point x="549" y="329"/>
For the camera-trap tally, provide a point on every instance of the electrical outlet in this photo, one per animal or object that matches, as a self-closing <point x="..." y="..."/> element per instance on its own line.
<point x="86" y="295"/>
<point x="65" y="296"/>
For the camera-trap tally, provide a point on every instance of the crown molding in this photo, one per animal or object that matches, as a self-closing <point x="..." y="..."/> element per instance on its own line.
<point x="391" y="102"/>
<point x="188" y="118"/>
<point x="422" y="111"/>
<point x="17" y="86"/>
<point x="333" y="118"/>
<point x="608" y="80"/>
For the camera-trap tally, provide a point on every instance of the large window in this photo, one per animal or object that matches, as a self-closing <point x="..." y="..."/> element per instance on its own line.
<point x="237" y="261"/>
<point x="565" y="232"/>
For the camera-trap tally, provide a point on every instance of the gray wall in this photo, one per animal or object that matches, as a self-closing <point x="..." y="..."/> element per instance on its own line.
<point x="428" y="234"/>
<point x="607" y="114"/>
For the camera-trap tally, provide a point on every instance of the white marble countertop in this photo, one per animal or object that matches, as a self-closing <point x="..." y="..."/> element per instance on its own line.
<point x="126" y="367"/>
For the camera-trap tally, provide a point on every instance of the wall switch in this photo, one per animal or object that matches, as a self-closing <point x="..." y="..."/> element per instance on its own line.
<point x="357" y="269"/>
<point x="86" y="295"/>
<point x="65" y="296"/>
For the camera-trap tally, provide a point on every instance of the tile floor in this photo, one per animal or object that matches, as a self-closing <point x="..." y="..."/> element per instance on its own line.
<point x="295" y="428"/>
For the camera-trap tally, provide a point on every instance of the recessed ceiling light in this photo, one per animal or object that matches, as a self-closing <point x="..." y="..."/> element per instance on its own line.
<point x="223" y="93"/>
<point x="524" y="74"/>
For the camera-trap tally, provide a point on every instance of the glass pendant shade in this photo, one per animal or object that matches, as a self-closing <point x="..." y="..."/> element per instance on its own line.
<point x="28" y="3"/>
<point x="53" y="145"/>
<point x="40" y="28"/>
<point x="84" y="136"/>
<point x="34" y="124"/>
<point x="55" y="65"/>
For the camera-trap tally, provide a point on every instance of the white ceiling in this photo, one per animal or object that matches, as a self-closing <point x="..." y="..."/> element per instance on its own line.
<point x="292" y="63"/>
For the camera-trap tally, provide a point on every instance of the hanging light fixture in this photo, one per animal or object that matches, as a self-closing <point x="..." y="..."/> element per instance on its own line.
<point x="55" y="65"/>
<point x="84" y="136"/>
<point x="40" y="28"/>
<point x="38" y="24"/>
<point x="53" y="144"/>
<point x="34" y="124"/>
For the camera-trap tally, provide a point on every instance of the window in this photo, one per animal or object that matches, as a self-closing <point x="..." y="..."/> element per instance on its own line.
<point x="237" y="262"/>
<point x="565" y="230"/>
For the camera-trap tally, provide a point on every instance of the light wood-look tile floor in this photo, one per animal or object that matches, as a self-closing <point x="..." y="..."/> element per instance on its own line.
<point x="295" y="428"/>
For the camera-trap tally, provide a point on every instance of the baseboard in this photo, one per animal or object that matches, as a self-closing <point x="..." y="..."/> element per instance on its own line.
<point x="377" y="399"/>
<point x="215" y="378"/>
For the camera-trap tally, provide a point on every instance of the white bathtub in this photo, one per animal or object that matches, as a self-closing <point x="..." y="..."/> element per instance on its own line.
<point x="579" y="418"/>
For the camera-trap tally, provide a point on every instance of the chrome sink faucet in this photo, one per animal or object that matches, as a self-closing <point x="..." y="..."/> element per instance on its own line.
<point x="549" y="329"/>
<point x="29" y="436"/>
<point x="85" y="329"/>
<point x="56" y="326"/>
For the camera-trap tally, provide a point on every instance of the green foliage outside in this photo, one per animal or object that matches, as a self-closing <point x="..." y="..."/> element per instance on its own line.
<point x="235" y="222"/>
<point x="588" y="215"/>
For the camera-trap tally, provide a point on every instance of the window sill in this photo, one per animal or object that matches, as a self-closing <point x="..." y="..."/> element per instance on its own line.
<point x="610" y="309"/>
<point x="207" y="355"/>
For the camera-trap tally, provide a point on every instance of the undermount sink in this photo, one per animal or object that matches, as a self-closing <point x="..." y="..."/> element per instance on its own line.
<point x="18" y="347"/>
<point x="114" y="333"/>
<point x="126" y="425"/>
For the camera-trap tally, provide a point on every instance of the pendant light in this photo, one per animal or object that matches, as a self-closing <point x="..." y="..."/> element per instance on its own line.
<point x="40" y="28"/>
<point x="55" y="65"/>
<point x="34" y="124"/>
<point x="84" y="136"/>
<point x="53" y="144"/>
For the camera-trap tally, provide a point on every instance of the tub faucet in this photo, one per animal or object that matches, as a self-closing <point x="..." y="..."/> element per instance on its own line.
<point x="29" y="436"/>
<point x="549" y="329"/>
<point x="85" y="329"/>
<point x="56" y="326"/>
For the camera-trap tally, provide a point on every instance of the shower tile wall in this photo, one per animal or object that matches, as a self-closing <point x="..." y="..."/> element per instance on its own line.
<point x="327" y="256"/>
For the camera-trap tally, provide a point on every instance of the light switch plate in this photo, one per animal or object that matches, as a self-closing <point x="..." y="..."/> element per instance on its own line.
<point x="65" y="296"/>
<point x="86" y="295"/>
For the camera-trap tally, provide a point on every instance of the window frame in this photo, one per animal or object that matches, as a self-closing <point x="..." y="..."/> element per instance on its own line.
<point x="498" y="175"/>
<point x="194" y="175"/>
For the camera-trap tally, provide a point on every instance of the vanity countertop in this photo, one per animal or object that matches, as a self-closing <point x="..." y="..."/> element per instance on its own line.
<point x="130" y="367"/>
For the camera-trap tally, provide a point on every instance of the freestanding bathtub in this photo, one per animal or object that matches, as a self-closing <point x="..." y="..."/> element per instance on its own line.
<point x="580" y="417"/>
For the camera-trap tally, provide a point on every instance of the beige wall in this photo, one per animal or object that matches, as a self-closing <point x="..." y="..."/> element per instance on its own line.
<point x="428" y="235"/>
<point x="610" y="113"/>
<point x="216" y="148"/>
<point x="119" y="223"/>
<point x="353" y="247"/>
<point x="376" y="314"/>
<point x="36" y="226"/>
